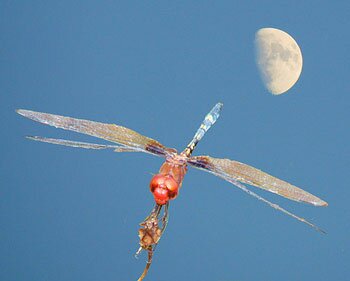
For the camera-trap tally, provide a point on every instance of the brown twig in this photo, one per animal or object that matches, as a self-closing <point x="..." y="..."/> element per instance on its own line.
<point x="148" y="264"/>
<point x="150" y="234"/>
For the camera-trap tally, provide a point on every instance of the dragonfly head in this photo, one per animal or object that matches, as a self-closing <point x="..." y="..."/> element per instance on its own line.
<point x="164" y="188"/>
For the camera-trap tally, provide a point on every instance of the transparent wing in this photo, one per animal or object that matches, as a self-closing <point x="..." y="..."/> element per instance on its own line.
<point x="230" y="169"/>
<point x="236" y="172"/>
<point x="273" y="205"/>
<point x="86" y="145"/>
<point x="129" y="139"/>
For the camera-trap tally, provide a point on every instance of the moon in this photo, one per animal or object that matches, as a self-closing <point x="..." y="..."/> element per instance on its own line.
<point x="278" y="58"/>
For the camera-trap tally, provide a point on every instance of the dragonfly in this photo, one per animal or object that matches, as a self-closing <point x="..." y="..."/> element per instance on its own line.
<point x="165" y="185"/>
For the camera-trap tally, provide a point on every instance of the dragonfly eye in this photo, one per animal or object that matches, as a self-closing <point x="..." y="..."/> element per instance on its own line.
<point x="164" y="188"/>
<point x="172" y="186"/>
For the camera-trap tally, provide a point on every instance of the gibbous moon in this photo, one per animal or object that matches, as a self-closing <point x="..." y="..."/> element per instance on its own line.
<point x="279" y="59"/>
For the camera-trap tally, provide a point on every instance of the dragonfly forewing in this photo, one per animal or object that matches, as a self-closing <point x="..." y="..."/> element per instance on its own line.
<point x="230" y="169"/>
<point x="128" y="138"/>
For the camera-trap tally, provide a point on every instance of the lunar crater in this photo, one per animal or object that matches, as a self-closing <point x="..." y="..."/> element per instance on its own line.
<point x="278" y="58"/>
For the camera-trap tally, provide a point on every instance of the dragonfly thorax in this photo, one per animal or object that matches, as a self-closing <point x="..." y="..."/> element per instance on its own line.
<point x="164" y="188"/>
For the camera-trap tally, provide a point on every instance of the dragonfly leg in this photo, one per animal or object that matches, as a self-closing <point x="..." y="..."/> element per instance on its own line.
<point x="150" y="233"/>
<point x="165" y="217"/>
<point x="165" y="220"/>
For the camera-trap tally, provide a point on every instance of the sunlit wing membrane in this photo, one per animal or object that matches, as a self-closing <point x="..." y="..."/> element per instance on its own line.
<point x="79" y="144"/>
<point x="273" y="205"/>
<point x="129" y="139"/>
<point x="229" y="169"/>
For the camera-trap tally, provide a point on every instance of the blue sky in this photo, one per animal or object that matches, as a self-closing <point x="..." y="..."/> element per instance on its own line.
<point x="158" y="68"/>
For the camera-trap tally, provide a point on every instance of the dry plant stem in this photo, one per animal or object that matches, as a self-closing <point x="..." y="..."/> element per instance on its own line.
<point x="148" y="264"/>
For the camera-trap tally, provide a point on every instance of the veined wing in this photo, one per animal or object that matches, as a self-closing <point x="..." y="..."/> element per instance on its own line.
<point x="79" y="144"/>
<point x="127" y="138"/>
<point x="247" y="174"/>
<point x="236" y="172"/>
